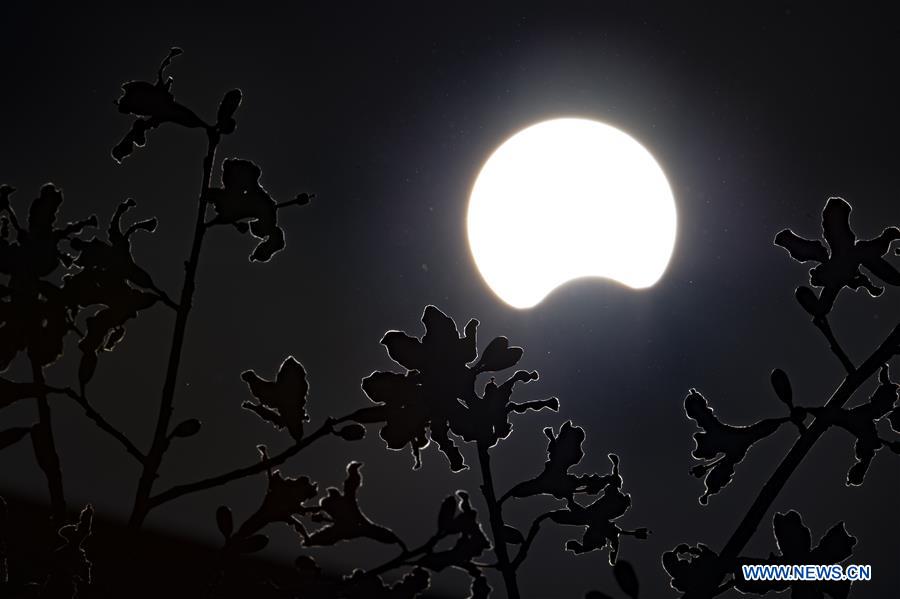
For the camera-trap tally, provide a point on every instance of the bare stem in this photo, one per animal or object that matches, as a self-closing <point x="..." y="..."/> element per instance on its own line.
<point x="301" y="200"/>
<point x="48" y="457"/>
<point x="496" y="516"/>
<point x="160" y="442"/>
<point x="532" y="535"/>
<point x="100" y="421"/>
<point x="823" y="325"/>
<point x="177" y="491"/>
<point x="164" y="297"/>
<point x="406" y="555"/>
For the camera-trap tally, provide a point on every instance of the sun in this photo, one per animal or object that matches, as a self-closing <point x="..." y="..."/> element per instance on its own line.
<point x="565" y="199"/>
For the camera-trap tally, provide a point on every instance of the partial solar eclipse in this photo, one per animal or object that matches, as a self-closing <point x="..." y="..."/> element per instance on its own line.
<point x="565" y="199"/>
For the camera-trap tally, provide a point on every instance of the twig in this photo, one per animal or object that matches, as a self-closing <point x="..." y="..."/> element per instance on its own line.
<point x="159" y="445"/>
<point x="301" y="200"/>
<point x="100" y="421"/>
<point x="532" y="534"/>
<point x="164" y="297"/>
<point x="47" y="456"/>
<point x="497" y="524"/>
<point x="177" y="491"/>
<point x="822" y="324"/>
<point x="407" y="554"/>
<point x="801" y="447"/>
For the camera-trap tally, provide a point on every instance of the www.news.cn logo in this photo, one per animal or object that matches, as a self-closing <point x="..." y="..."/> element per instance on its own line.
<point x="811" y="572"/>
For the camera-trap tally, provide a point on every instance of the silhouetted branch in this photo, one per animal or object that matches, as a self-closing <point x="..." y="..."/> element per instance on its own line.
<point x="164" y="297"/>
<point x="45" y="448"/>
<point x="177" y="491"/>
<point x="532" y="535"/>
<point x="823" y="325"/>
<point x="160" y="444"/>
<point x="749" y="524"/>
<point x="497" y="525"/>
<point x="403" y="559"/>
<point x="100" y="421"/>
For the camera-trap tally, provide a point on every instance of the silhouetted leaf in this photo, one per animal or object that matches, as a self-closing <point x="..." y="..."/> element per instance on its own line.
<point x="795" y="546"/>
<point x="806" y="297"/>
<point x="346" y="520"/>
<point x="282" y="402"/>
<point x="153" y="104"/>
<point x="470" y="543"/>
<point x="782" y="386"/>
<point x="284" y="500"/>
<point x="697" y="570"/>
<point x="245" y="204"/>
<point x="722" y="445"/>
<point x="34" y="315"/>
<point x="362" y="585"/>
<point x="110" y="278"/>
<point x="447" y="514"/>
<point x="225" y="115"/>
<point x="479" y="589"/>
<point x="600" y="532"/>
<point x="564" y="451"/>
<point x="499" y="356"/>
<point x="70" y="567"/>
<point x="626" y="577"/>
<point x="312" y="582"/>
<point x="404" y="410"/>
<point x="437" y="394"/>
<point x="839" y="266"/>
<point x="224" y="521"/>
<point x="187" y="428"/>
<point x="486" y="419"/>
<point x="893" y="418"/>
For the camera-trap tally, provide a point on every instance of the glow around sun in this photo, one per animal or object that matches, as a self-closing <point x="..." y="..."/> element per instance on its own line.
<point x="565" y="199"/>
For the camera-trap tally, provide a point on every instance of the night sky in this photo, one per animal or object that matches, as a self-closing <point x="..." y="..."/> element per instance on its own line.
<point x="387" y="112"/>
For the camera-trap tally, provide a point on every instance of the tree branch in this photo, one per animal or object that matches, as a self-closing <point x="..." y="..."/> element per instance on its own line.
<point x="532" y="534"/>
<point x="760" y="507"/>
<point x="177" y="491"/>
<point x="406" y="555"/>
<point x="159" y="445"/>
<point x="497" y="524"/>
<point x="823" y="325"/>
<point x="164" y="297"/>
<point x="45" y="447"/>
<point x="100" y="421"/>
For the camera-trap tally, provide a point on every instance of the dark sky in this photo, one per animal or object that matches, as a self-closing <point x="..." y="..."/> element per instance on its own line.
<point x="386" y="112"/>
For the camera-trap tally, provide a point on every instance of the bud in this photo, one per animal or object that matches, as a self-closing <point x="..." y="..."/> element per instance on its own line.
<point x="351" y="432"/>
<point x="188" y="428"/>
